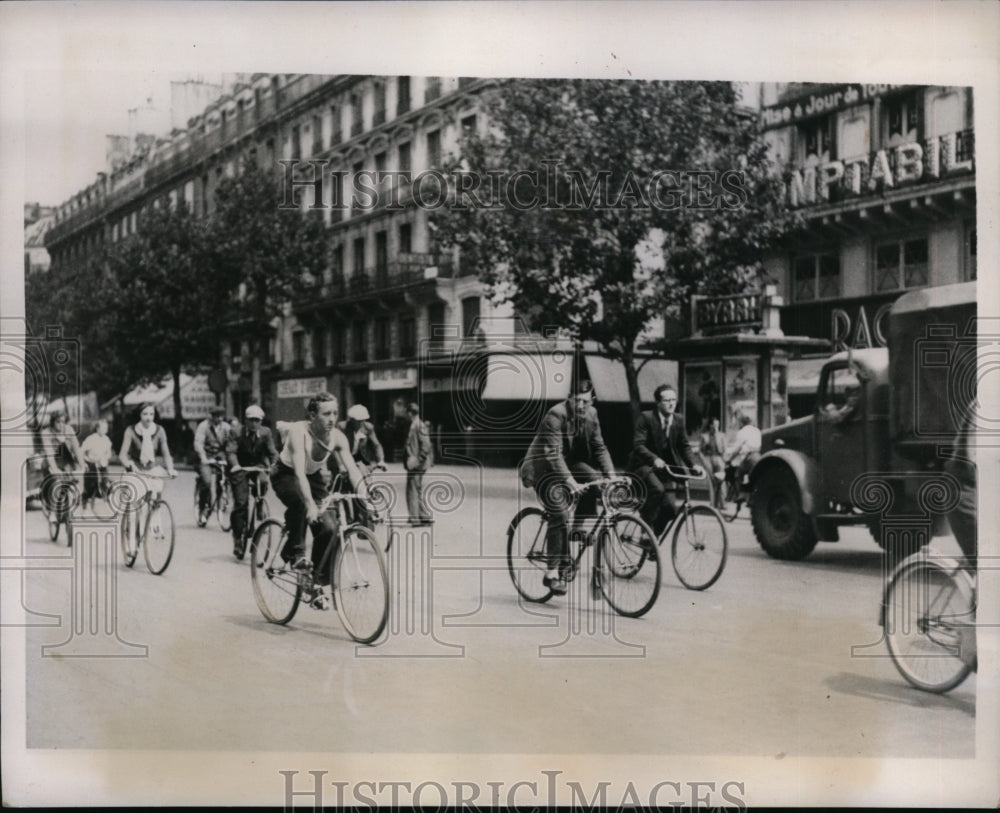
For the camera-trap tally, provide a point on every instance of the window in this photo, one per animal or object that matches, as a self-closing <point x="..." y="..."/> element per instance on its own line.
<point x="947" y="114"/>
<point x="317" y="134"/>
<point x="816" y="277"/>
<point x="336" y="131"/>
<point x="298" y="350"/>
<point x="319" y="347"/>
<point x="382" y="337"/>
<point x="405" y="238"/>
<point x="381" y="258"/>
<point x="470" y="316"/>
<point x="436" y="323"/>
<point x="356" y="124"/>
<point x="901" y="264"/>
<point x="337" y="264"/>
<point x="814" y="140"/>
<point x="404" y="157"/>
<point x="339" y="344"/>
<point x="433" y="148"/>
<point x="380" y="170"/>
<point x="900" y="119"/>
<point x="402" y="95"/>
<point x="840" y="383"/>
<point x="407" y="337"/>
<point x="358" y="348"/>
<point x="970" y="253"/>
<point x="432" y="89"/>
<point x="296" y="142"/>
<point x="359" y="255"/>
<point x="357" y="169"/>
<point x="854" y="134"/>
<point x="468" y="126"/>
<point x="379" y="115"/>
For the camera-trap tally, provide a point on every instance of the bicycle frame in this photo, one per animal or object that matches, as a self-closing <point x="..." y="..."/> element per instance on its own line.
<point x="685" y="508"/>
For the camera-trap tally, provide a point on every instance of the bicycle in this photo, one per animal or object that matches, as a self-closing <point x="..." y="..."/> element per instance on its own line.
<point x="732" y="495"/>
<point x="928" y="618"/>
<point x="257" y="510"/>
<point x="699" y="545"/>
<point x="625" y="548"/>
<point x="148" y="524"/>
<point x="221" y="498"/>
<point x="381" y="499"/>
<point x="354" y="560"/>
<point x="60" y="495"/>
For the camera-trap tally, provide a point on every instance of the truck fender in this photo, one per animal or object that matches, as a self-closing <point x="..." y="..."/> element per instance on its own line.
<point x="802" y="466"/>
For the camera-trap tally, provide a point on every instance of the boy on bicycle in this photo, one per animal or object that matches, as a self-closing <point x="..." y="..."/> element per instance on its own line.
<point x="302" y="480"/>
<point x="96" y="451"/>
<point x="252" y="446"/>
<point x="210" y="440"/>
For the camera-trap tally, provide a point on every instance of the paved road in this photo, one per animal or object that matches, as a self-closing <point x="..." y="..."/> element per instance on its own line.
<point x="759" y="665"/>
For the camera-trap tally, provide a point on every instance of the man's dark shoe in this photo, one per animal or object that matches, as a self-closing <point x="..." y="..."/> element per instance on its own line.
<point x="557" y="585"/>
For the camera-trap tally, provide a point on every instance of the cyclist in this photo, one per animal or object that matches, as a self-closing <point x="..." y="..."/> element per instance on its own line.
<point x="713" y="447"/>
<point x="365" y="449"/>
<point x="96" y="451"/>
<point x="62" y="455"/>
<point x="660" y="440"/>
<point x="302" y="480"/>
<point x="252" y="446"/>
<point x="209" y="444"/>
<point x="561" y="458"/>
<point x="145" y="448"/>
<point x="745" y="451"/>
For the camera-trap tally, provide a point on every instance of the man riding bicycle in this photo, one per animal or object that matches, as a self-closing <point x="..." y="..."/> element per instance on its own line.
<point x="302" y="480"/>
<point x="253" y="446"/>
<point x="210" y="440"/>
<point x="559" y="462"/>
<point x="660" y="440"/>
<point x="745" y="451"/>
<point x="365" y="448"/>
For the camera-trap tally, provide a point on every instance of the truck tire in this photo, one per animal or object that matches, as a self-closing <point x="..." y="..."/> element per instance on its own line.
<point x="782" y="529"/>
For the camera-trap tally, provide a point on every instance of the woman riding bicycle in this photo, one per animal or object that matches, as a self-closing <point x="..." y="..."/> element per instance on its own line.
<point x="301" y="480"/>
<point x="62" y="457"/>
<point x="145" y="448"/>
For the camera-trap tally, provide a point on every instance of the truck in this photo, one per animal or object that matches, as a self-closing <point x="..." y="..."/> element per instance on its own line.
<point x="883" y="421"/>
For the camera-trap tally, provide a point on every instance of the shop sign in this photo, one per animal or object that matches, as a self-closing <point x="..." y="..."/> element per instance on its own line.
<point x="392" y="378"/>
<point x="882" y="170"/>
<point x="820" y="104"/>
<point x="859" y="332"/>
<point x="300" y="387"/>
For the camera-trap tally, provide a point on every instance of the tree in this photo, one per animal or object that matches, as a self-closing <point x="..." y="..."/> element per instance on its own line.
<point x="267" y="253"/>
<point x="600" y="205"/>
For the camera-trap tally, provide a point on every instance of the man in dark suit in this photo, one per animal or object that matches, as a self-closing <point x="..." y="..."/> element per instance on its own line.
<point x="253" y="446"/>
<point x="660" y="440"/>
<point x="562" y="457"/>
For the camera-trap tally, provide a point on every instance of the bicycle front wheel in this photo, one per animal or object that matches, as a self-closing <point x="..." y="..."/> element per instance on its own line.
<point x="925" y="612"/>
<point x="699" y="547"/>
<point x="158" y="539"/>
<point x="526" y="559"/>
<point x="224" y="507"/>
<point x="629" y="565"/>
<point x="360" y="585"/>
<point x="132" y="524"/>
<point x="275" y="585"/>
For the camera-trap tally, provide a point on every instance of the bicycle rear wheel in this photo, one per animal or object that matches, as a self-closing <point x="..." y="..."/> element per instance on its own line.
<point x="526" y="559"/>
<point x="133" y="521"/>
<point x="730" y="503"/>
<point x="224" y="507"/>
<point x="629" y="565"/>
<point x="925" y="610"/>
<point x="699" y="547"/>
<point x="276" y="586"/>
<point x="158" y="539"/>
<point x="360" y="585"/>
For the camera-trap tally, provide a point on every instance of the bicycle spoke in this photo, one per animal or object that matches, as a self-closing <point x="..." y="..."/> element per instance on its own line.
<point x="699" y="547"/>
<point x="275" y="585"/>
<point x="629" y="565"/>
<point x="360" y="585"/>
<point x="526" y="560"/>
<point x="158" y="541"/>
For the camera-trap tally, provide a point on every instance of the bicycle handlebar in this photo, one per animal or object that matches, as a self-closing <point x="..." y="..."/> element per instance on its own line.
<point x="684" y="473"/>
<point x="603" y="484"/>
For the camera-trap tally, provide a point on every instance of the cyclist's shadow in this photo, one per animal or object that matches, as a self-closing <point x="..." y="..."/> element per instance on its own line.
<point x="896" y="691"/>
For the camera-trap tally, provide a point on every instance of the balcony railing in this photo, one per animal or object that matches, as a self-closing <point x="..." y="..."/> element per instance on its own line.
<point x="408" y="270"/>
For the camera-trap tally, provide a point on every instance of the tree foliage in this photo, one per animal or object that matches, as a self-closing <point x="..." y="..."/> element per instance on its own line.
<point x="637" y="195"/>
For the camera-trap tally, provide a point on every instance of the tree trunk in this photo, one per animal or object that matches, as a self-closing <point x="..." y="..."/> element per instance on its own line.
<point x="178" y="414"/>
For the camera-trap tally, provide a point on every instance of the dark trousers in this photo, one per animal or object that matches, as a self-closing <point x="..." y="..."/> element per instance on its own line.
<point x="92" y="479"/>
<point x="286" y="486"/>
<point x="206" y="476"/>
<point x="553" y="494"/>
<point x="240" y="482"/>
<point x="660" y="506"/>
<point x="419" y="512"/>
<point x="963" y="521"/>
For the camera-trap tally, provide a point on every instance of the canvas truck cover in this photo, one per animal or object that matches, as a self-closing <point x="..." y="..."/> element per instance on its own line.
<point x="932" y="366"/>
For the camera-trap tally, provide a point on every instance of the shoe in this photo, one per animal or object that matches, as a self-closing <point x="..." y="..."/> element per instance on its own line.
<point x="557" y="585"/>
<point x="320" y="602"/>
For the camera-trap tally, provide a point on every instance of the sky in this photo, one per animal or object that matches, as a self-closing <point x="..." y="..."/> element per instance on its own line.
<point x="68" y="114"/>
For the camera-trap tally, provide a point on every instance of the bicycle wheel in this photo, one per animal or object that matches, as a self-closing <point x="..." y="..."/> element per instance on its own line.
<point x="224" y="507"/>
<point x="699" y="547"/>
<point x="628" y="564"/>
<point x="526" y="558"/>
<point x="158" y="538"/>
<point x="132" y="524"/>
<point x="275" y="585"/>
<point x="360" y="585"/>
<point x="925" y="609"/>
<point x="730" y="503"/>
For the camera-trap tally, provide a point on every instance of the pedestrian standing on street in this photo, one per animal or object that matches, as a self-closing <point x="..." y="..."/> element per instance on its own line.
<point x="565" y="454"/>
<point x="96" y="451"/>
<point x="418" y="459"/>
<point x="660" y="440"/>
<point x="251" y="447"/>
<point x="209" y="444"/>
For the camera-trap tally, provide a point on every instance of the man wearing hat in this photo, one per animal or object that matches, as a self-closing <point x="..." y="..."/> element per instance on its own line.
<point x="360" y="434"/>
<point x="251" y="447"/>
<point x="417" y="460"/>
<point x="210" y="440"/>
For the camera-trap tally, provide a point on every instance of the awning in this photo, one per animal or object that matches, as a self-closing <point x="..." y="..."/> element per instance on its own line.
<point x="528" y="377"/>
<point x="803" y="375"/>
<point x="611" y="386"/>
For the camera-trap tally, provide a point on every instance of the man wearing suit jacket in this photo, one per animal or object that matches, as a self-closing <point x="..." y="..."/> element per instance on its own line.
<point x="660" y="440"/>
<point x="418" y="460"/>
<point x="562" y="457"/>
<point x="253" y="446"/>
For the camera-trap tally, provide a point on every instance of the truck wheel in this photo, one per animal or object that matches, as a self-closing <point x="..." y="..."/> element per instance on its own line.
<point x="781" y="527"/>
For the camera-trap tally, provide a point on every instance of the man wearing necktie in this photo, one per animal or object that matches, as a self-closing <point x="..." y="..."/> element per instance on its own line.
<point x="660" y="440"/>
